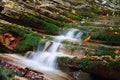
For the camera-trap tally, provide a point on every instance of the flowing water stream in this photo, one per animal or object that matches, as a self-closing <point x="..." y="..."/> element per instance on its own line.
<point x="45" y="60"/>
<point x="47" y="57"/>
<point x="72" y="34"/>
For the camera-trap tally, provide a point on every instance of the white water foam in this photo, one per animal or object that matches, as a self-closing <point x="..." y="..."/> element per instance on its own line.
<point x="47" y="58"/>
<point x="70" y="35"/>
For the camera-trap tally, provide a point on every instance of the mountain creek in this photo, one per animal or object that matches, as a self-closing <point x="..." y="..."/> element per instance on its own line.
<point x="59" y="40"/>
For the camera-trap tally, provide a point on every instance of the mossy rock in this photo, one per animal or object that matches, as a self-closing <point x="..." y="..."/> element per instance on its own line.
<point x="27" y="39"/>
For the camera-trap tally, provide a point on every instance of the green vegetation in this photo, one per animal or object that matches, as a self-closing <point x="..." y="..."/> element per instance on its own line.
<point x="114" y="65"/>
<point x="67" y="62"/>
<point x="5" y="73"/>
<point x="27" y="42"/>
<point x="50" y="20"/>
<point x="107" y="36"/>
<point x="88" y="64"/>
<point x="86" y="24"/>
<point x="86" y="14"/>
<point x="72" y="16"/>
<point x="96" y="11"/>
<point x="57" y="17"/>
<point x="32" y="22"/>
<point x="83" y="63"/>
<point x="28" y="39"/>
<point x="105" y="51"/>
<point x="51" y="29"/>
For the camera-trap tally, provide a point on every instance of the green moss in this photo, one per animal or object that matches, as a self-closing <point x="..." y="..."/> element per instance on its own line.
<point x="104" y="36"/>
<point x="28" y="42"/>
<point x="88" y="63"/>
<point x="63" y="59"/>
<point x="73" y="49"/>
<point x="72" y="16"/>
<point x="51" y="29"/>
<point x="101" y="51"/>
<point x="65" y="42"/>
<point x="113" y="65"/>
<point x="6" y="73"/>
<point x="48" y="27"/>
<point x="28" y="39"/>
<point x="55" y="17"/>
<point x="96" y="11"/>
<point x="86" y="24"/>
<point x="83" y="63"/>
<point x="32" y="22"/>
<point x="50" y="20"/>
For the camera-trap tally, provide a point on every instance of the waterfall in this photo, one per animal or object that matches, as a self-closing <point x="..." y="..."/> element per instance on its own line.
<point x="54" y="47"/>
<point x="70" y="35"/>
<point x="47" y="57"/>
<point x="78" y="35"/>
<point x="48" y="60"/>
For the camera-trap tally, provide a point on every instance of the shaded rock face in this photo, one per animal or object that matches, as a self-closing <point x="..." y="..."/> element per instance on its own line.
<point x="79" y="75"/>
<point x="1" y="8"/>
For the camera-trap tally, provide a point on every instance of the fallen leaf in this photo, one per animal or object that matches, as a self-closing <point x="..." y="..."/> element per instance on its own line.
<point x="111" y="32"/>
<point x="1" y="39"/>
<point x="117" y="51"/>
<point x="14" y="43"/>
<point x="87" y="39"/>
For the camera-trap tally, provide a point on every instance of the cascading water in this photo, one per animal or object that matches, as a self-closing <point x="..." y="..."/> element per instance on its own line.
<point x="74" y="34"/>
<point x="47" y="57"/>
<point x="78" y="35"/>
<point x="54" y="47"/>
<point x="70" y="35"/>
<point x="44" y="59"/>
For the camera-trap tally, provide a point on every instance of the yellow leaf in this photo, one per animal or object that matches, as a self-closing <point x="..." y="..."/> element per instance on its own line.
<point x="87" y="39"/>
<point x="117" y="51"/>
<point x="1" y="40"/>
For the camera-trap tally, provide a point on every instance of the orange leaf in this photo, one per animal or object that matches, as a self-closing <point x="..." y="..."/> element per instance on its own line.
<point x="111" y="32"/>
<point x="70" y="19"/>
<point x="87" y="39"/>
<point x="116" y="51"/>
<point x="14" y="43"/>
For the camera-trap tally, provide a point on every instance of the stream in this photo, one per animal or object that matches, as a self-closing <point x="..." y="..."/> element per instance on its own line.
<point x="45" y="60"/>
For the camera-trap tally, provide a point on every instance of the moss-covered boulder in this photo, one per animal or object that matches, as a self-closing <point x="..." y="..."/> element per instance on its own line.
<point x="105" y="67"/>
<point x="27" y="39"/>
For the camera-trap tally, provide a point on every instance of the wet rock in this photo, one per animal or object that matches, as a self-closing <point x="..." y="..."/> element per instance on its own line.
<point x="79" y="75"/>
<point x="1" y="8"/>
